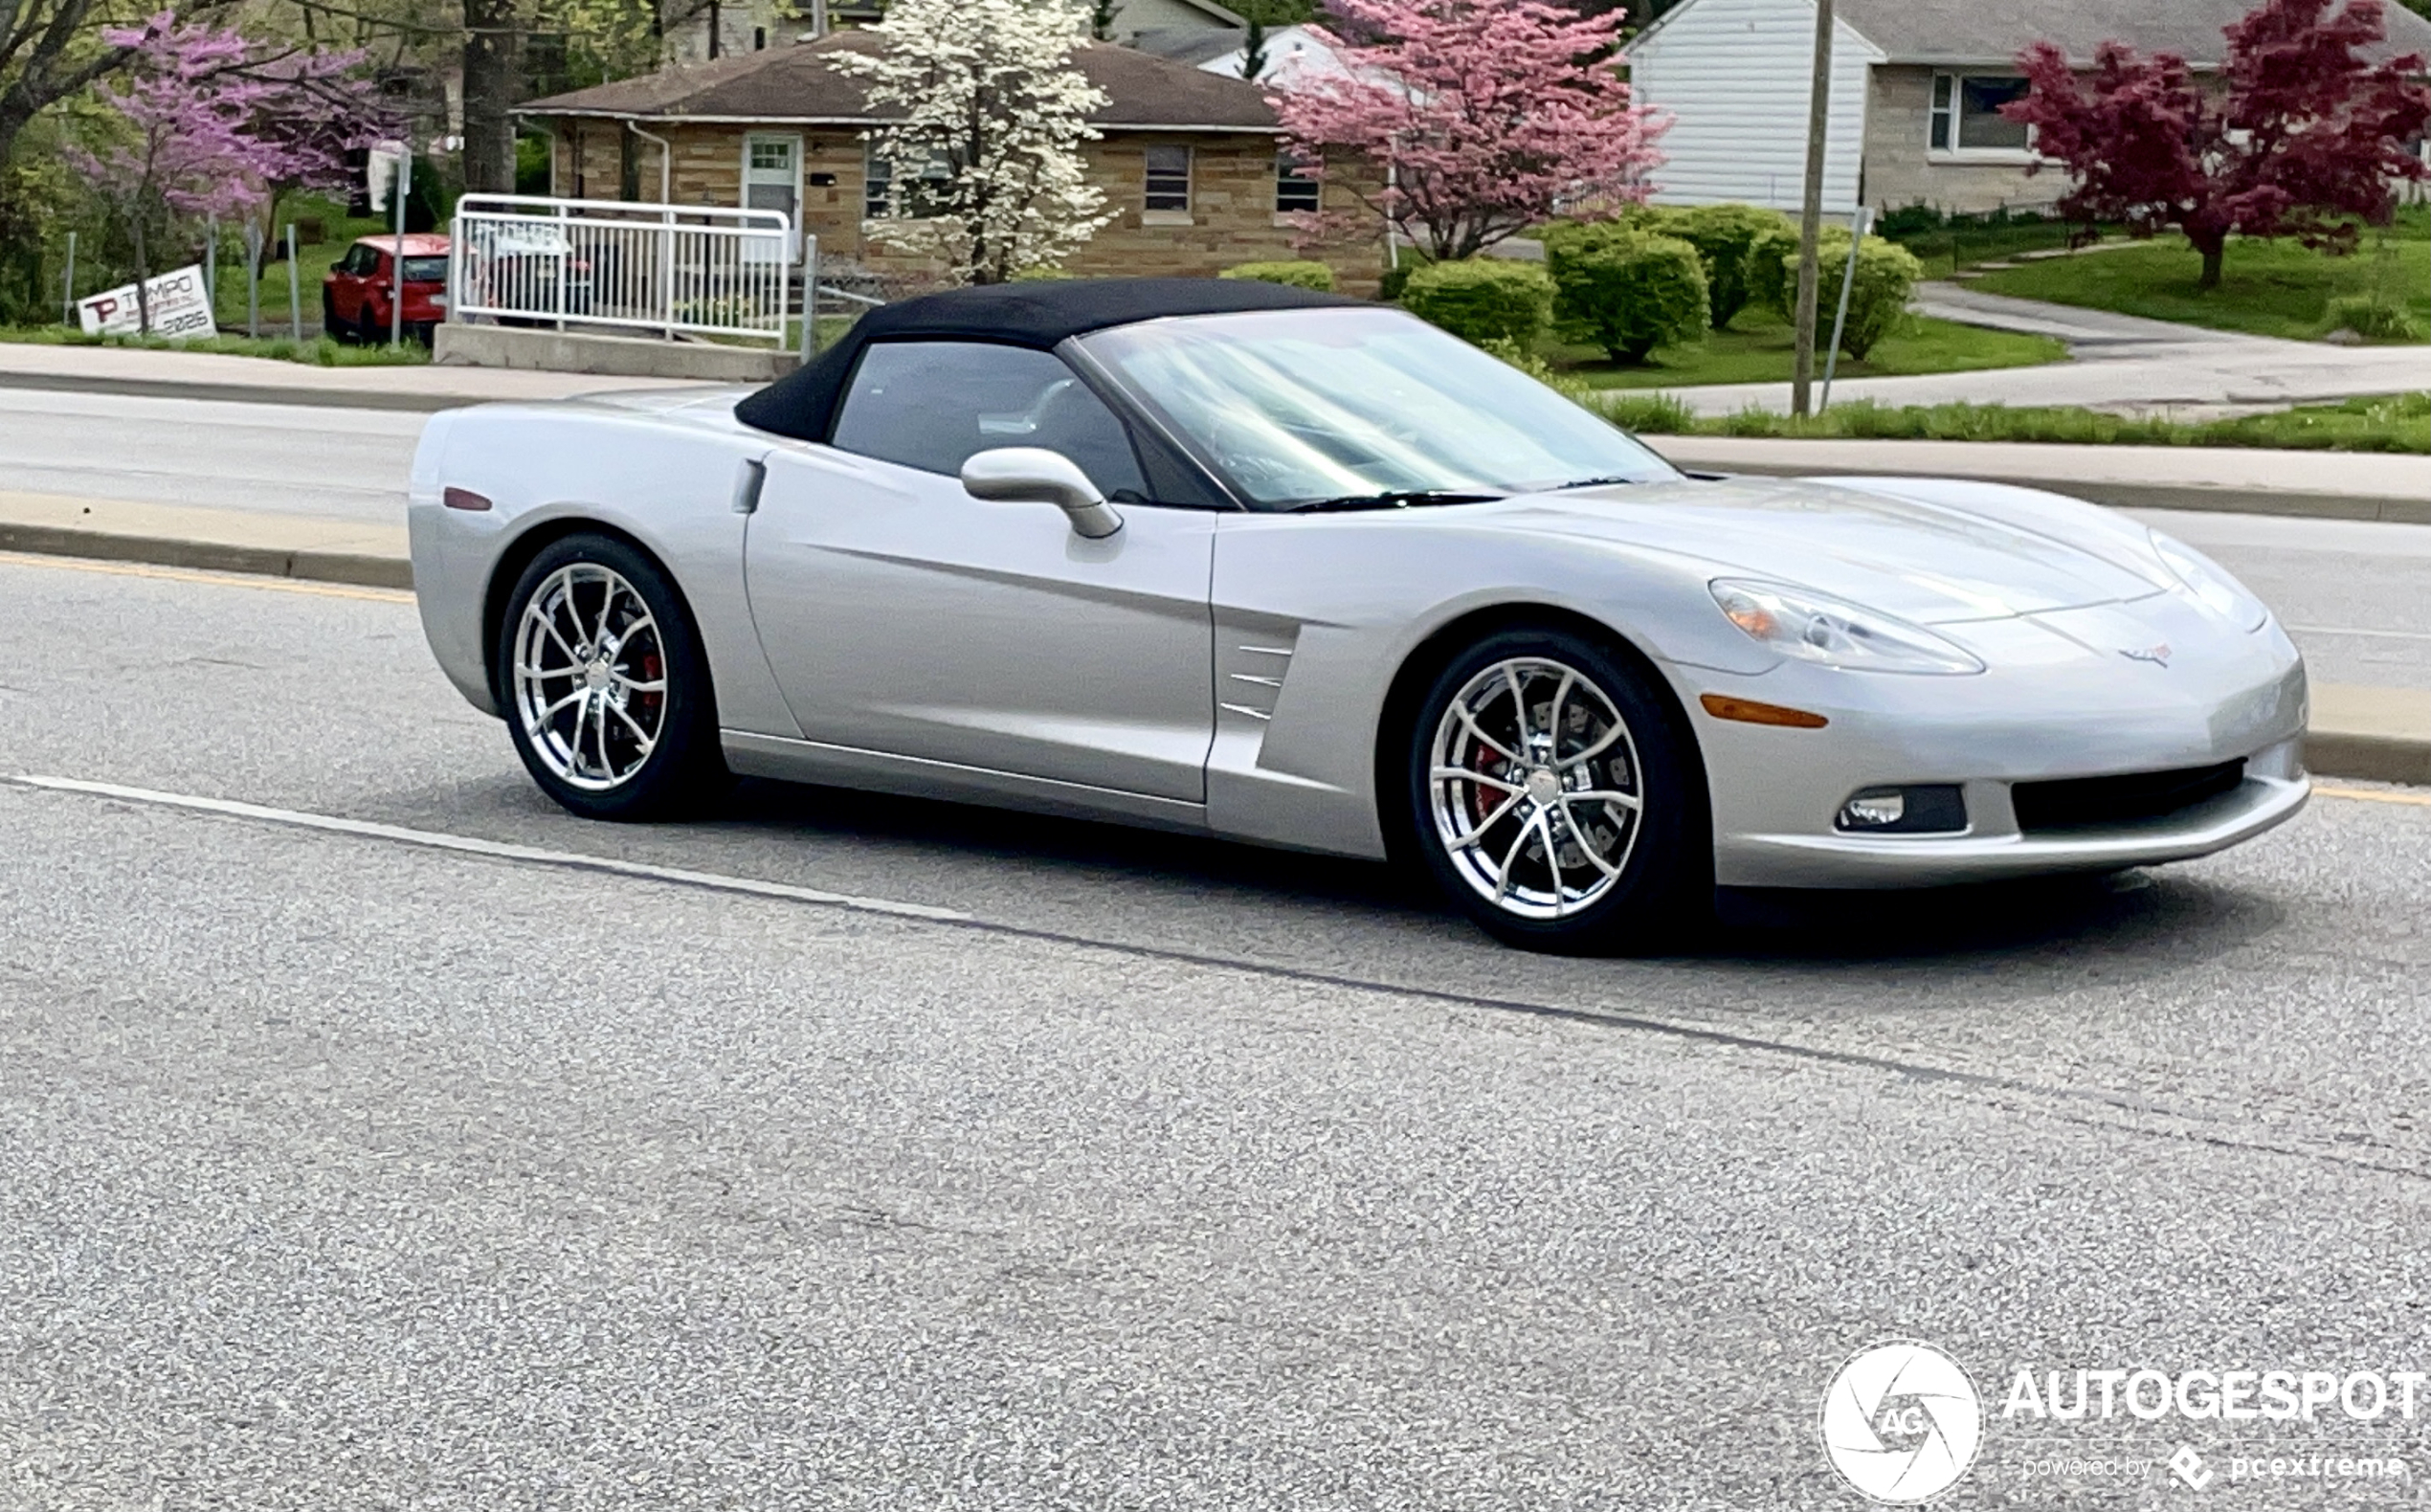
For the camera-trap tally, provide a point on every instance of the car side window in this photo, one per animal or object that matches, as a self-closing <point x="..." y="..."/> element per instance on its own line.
<point x="932" y="404"/>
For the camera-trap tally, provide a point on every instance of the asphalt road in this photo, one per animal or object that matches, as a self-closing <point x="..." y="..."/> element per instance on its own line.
<point x="338" y="1169"/>
<point x="2360" y="595"/>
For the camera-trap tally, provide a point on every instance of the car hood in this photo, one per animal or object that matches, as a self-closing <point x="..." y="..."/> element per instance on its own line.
<point x="1926" y="563"/>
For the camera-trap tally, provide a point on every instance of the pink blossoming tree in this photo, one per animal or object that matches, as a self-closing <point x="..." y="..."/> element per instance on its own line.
<point x="1470" y="120"/>
<point x="205" y="126"/>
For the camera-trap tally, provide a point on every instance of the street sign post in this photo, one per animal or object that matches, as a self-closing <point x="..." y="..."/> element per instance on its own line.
<point x="396" y="261"/>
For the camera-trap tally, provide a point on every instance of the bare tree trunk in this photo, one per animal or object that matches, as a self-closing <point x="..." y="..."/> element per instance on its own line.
<point x="493" y="58"/>
<point x="2215" y="252"/>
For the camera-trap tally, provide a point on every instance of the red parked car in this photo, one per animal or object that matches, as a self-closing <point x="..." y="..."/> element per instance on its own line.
<point x="355" y="297"/>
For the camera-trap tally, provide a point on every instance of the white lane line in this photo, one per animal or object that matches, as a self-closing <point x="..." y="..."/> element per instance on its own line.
<point x="496" y="850"/>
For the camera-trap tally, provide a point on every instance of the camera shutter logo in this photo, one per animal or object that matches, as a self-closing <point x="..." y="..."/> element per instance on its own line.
<point x="1901" y="1421"/>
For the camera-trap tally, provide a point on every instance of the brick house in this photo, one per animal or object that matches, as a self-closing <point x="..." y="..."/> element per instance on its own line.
<point x="1917" y="88"/>
<point x="1190" y="161"/>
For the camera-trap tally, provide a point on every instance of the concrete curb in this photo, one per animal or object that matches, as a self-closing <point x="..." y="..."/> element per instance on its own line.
<point x="359" y="570"/>
<point x="2359" y="734"/>
<point x="2367" y="758"/>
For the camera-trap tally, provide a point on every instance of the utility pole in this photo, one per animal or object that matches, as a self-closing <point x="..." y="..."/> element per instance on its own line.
<point x="1818" y="124"/>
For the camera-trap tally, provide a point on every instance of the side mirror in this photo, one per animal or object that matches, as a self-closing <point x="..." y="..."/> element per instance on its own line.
<point x="1014" y="473"/>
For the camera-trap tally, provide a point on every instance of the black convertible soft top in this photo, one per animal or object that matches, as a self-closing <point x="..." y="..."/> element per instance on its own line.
<point x="803" y="404"/>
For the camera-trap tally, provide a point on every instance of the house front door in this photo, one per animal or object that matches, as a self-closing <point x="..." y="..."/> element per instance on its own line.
<point x="772" y="180"/>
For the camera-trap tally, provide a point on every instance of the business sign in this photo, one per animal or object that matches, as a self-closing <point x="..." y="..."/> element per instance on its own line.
<point x="181" y="308"/>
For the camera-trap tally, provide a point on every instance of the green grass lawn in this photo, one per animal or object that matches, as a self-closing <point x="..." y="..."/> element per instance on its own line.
<point x="2267" y="288"/>
<point x="1758" y="349"/>
<point x="1950" y="248"/>
<point x="2396" y="423"/>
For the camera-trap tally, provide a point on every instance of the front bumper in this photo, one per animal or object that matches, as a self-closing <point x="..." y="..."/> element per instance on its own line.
<point x="2034" y="717"/>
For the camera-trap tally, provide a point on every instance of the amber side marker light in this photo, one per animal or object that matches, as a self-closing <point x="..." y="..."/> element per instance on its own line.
<point x="1748" y="711"/>
<point x="463" y="498"/>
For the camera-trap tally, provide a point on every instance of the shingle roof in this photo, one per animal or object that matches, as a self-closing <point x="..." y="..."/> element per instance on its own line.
<point x="1188" y="44"/>
<point x="1985" y="30"/>
<point x="800" y="83"/>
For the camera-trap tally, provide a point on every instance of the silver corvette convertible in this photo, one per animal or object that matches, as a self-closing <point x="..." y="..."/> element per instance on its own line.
<point x="1297" y="570"/>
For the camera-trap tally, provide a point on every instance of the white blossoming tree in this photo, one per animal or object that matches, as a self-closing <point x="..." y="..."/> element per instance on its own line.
<point x="987" y="152"/>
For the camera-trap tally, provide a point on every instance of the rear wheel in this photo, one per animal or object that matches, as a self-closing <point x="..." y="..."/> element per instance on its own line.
<point x="605" y="689"/>
<point x="1555" y="797"/>
<point x="330" y="325"/>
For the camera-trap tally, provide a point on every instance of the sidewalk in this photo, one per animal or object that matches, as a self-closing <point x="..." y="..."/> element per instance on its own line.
<point x="260" y="380"/>
<point x="2342" y="486"/>
<point x="2119" y="362"/>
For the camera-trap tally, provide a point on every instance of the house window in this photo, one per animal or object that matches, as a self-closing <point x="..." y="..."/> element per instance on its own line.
<point x="1169" y="179"/>
<point x="877" y="178"/>
<point x="775" y="155"/>
<point x="1295" y="191"/>
<point x="1967" y="117"/>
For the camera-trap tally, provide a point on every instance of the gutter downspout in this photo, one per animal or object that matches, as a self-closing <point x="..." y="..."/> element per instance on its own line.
<point x="666" y="160"/>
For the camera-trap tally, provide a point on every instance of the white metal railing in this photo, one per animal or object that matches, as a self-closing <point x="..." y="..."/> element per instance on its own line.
<point x="673" y="269"/>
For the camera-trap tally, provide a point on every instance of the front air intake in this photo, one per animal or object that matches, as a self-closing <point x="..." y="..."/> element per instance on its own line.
<point x="2082" y="803"/>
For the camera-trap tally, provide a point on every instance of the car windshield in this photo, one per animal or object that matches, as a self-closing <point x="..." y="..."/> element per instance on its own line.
<point x="426" y="270"/>
<point x="1297" y="407"/>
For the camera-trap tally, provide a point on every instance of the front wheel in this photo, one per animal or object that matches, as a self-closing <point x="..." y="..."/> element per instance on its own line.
<point x="605" y="687"/>
<point x="1556" y="798"/>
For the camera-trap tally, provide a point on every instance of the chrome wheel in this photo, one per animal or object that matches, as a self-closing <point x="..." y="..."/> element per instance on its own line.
<point x="589" y="675"/>
<point x="1534" y="787"/>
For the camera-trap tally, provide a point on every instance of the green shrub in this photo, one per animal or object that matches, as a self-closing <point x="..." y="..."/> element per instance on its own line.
<point x="1482" y="299"/>
<point x="2370" y="318"/>
<point x="1628" y="291"/>
<point x="1298" y="275"/>
<point x="1886" y="275"/>
<point x="1397" y="276"/>
<point x="1725" y="238"/>
<point x="1649" y="413"/>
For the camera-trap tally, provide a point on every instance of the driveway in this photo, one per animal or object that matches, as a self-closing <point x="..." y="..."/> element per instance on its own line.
<point x="2117" y="362"/>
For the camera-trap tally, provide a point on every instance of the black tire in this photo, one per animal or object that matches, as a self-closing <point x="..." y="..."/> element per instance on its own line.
<point x="330" y="325"/>
<point x="1647" y="883"/>
<point x="682" y="770"/>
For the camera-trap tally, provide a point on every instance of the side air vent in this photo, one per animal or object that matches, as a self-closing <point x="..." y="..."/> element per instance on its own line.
<point x="1251" y="676"/>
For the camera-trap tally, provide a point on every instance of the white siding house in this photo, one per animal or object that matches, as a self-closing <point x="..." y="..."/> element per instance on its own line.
<point x="1294" y="53"/>
<point x="1735" y="75"/>
<point x="1917" y="92"/>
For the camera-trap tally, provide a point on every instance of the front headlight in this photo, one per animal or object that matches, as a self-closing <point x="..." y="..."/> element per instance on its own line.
<point x="2211" y="584"/>
<point x="1815" y="627"/>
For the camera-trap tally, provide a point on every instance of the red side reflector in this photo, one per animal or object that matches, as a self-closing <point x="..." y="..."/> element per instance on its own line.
<point x="1746" y="711"/>
<point x="463" y="498"/>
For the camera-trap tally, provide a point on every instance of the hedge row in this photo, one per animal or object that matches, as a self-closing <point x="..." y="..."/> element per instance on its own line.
<point x="1657" y="276"/>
